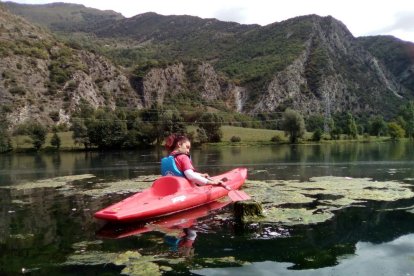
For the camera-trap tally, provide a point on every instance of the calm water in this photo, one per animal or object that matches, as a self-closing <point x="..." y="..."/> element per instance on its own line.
<point x="43" y="231"/>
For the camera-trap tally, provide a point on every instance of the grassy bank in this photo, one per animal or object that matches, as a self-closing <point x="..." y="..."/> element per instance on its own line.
<point x="250" y="134"/>
<point x="23" y="142"/>
<point x="246" y="135"/>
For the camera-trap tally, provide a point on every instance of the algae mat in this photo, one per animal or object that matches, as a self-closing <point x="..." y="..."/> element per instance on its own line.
<point x="314" y="201"/>
<point x="288" y="202"/>
<point x="86" y="184"/>
<point x="90" y="253"/>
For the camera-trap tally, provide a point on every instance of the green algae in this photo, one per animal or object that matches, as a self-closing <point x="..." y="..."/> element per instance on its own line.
<point x="218" y="262"/>
<point x="122" y="186"/>
<point x="247" y="208"/>
<point x="77" y="185"/>
<point x="90" y="258"/>
<point x="291" y="202"/>
<point x="137" y="264"/>
<point x="55" y="182"/>
<point x="84" y="245"/>
<point x="292" y="216"/>
<point x="133" y="262"/>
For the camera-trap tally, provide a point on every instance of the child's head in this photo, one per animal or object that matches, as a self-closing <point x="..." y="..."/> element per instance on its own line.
<point x="178" y="142"/>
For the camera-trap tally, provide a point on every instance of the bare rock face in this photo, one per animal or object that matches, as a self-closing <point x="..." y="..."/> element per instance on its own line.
<point x="159" y="82"/>
<point x="209" y="82"/>
<point x="219" y="89"/>
<point x="173" y="80"/>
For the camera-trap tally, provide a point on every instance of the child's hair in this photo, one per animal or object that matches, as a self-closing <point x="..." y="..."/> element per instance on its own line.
<point x="172" y="141"/>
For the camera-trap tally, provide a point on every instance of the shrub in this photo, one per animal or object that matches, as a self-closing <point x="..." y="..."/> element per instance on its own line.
<point x="55" y="141"/>
<point x="235" y="139"/>
<point x="317" y="135"/>
<point x="396" y="131"/>
<point x="276" y="139"/>
<point x="17" y="90"/>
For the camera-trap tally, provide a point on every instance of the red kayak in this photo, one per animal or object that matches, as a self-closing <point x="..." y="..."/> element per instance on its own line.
<point x="171" y="194"/>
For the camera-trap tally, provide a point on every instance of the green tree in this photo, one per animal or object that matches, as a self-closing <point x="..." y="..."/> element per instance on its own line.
<point x="315" y="122"/>
<point x="334" y="131"/>
<point x="37" y="132"/>
<point x="351" y="126"/>
<point x="152" y="126"/>
<point x="317" y="135"/>
<point x="106" y="130"/>
<point x="202" y="135"/>
<point x="396" y="131"/>
<point x="172" y="122"/>
<point x="211" y="124"/>
<point x="407" y="113"/>
<point x="55" y="141"/>
<point x="80" y="132"/>
<point x="158" y="122"/>
<point x="293" y="124"/>
<point x="5" y="140"/>
<point x="82" y="115"/>
<point x="377" y="126"/>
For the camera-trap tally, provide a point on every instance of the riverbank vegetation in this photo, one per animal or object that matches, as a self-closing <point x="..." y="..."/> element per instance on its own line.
<point x="125" y="129"/>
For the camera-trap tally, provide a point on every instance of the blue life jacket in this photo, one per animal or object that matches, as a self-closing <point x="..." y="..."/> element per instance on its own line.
<point x="168" y="166"/>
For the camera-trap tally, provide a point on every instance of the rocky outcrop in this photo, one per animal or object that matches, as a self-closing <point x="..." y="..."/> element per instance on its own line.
<point x="159" y="82"/>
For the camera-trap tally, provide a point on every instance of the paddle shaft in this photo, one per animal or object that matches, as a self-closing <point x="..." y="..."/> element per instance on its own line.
<point x="234" y="195"/>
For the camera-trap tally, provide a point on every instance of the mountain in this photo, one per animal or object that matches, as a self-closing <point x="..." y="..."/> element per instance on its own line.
<point x="44" y="79"/>
<point x="395" y="54"/>
<point x="63" y="16"/>
<point x="310" y="63"/>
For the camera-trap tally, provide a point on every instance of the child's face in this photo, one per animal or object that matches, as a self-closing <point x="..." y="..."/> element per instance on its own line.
<point x="184" y="147"/>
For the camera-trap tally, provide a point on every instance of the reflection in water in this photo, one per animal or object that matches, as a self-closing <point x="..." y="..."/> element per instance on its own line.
<point x="391" y="258"/>
<point x="280" y="161"/>
<point x="182" y="244"/>
<point x="167" y="224"/>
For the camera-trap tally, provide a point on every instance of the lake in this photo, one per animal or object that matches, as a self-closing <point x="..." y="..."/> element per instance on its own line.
<point x="47" y="201"/>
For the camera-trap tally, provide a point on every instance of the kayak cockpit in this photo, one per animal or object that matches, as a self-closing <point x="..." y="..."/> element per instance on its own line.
<point x="168" y="185"/>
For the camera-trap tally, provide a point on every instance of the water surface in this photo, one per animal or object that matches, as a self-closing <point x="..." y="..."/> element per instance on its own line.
<point x="46" y="230"/>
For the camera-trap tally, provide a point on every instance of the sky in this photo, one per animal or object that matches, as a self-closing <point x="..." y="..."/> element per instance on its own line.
<point x="362" y="17"/>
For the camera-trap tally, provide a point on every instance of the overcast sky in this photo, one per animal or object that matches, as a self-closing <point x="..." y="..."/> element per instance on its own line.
<point x="362" y="17"/>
